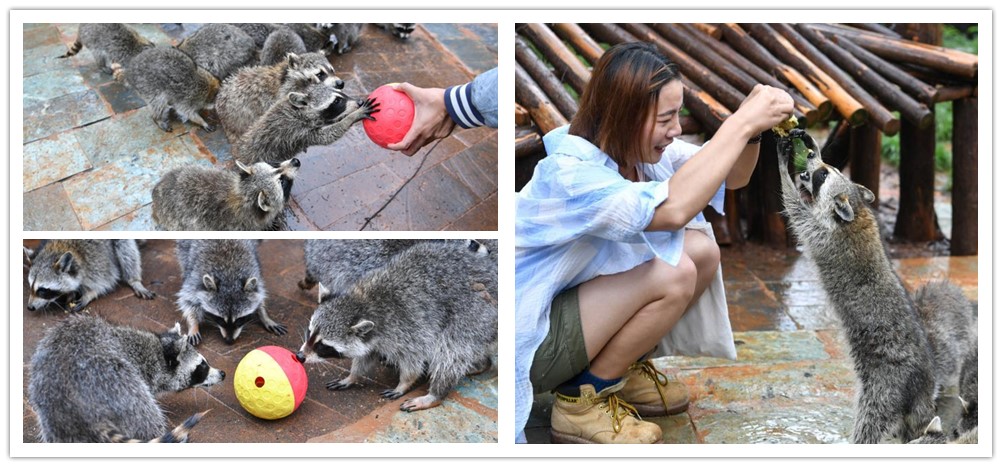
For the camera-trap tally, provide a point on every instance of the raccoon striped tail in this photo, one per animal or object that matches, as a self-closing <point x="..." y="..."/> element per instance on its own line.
<point x="178" y="435"/>
<point x="73" y="50"/>
<point x="118" y="72"/>
<point x="479" y="249"/>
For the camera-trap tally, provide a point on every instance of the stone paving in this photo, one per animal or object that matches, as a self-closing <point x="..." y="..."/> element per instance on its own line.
<point x="92" y="154"/>
<point x="468" y="415"/>
<point x="792" y="381"/>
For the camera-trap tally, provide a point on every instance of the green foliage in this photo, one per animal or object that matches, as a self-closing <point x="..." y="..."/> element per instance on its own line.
<point x="954" y="38"/>
<point x="890" y="150"/>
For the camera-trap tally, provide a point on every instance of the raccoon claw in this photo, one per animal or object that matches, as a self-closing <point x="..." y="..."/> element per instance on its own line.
<point x="75" y="306"/>
<point x="391" y="394"/>
<point x="195" y="339"/>
<point x="209" y="128"/>
<point x="145" y="294"/>
<point x="338" y="385"/>
<point x="277" y="329"/>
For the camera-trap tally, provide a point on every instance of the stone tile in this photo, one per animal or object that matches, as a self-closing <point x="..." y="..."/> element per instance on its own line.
<point x="130" y="136"/>
<point x="214" y="142"/>
<point x="472" y="136"/>
<point x="477" y="55"/>
<point x="153" y="32"/>
<point x="47" y="86"/>
<point x="93" y="75"/>
<point x="121" y="97"/>
<point x="140" y="220"/>
<point x="454" y="424"/>
<point x="434" y="200"/>
<point x="676" y="429"/>
<point x="43" y="59"/>
<point x="426" y="158"/>
<point x="961" y="270"/>
<point x="477" y="167"/>
<point x="483" y="216"/>
<point x="759" y="348"/>
<point x="754" y="307"/>
<point x="131" y="179"/>
<point x="813" y="317"/>
<point x="822" y="423"/>
<point x="322" y="165"/>
<point x="52" y="159"/>
<point x="48" y="208"/>
<point x="62" y="113"/>
<point x="327" y="204"/>
<point x="39" y="36"/>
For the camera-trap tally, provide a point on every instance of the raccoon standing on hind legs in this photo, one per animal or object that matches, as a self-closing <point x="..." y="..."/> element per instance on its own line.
<point x="832" y="220"/>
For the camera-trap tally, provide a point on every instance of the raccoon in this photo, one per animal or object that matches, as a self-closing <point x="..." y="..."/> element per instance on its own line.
<point x="209" y="198"/>
<point x="279" y="45"/>
<point x="72" y="273"/>
<point x="949" y="323"/>
<point x="318" y="115"/>
<point x="222" y="283"/>
<point x="113" y="44"/>
<point x="400" y="30"/>
<point x="891" y="354"/>
<point x="346" y="34"/>
<point x="91" y="381"/>
<point x="259" y="32"/>
<point x="313" y="38"/>
<point x="337" y="264"/>
<point x="220" y="49"/>
<point x="168" y="79"/>
<point x="934" y="434"/>
<point x="969" y="390"/>
<point x="421" y="312"/>
<point x="249" y="93"/>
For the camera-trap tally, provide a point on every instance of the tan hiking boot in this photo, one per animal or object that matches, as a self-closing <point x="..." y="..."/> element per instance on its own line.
<point x="599" y="419"/>
<point x="652" y="392"/>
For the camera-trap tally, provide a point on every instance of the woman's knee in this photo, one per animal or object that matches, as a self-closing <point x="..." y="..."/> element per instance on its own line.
<point x="703" y="250"/>
<point x="675" y="282"/>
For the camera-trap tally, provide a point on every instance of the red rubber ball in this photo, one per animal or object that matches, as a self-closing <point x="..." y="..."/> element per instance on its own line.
<point x="394" y="119"/>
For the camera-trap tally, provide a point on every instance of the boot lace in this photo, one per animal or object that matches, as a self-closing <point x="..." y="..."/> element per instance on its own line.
<point x="612" y="405"/>
<point x="651" y="372"/>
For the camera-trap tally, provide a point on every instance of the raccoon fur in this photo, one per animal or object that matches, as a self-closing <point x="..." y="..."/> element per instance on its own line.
<point x="313" y="38"/>
<point x="969" y="390"/>
<point x="168" y="79"/>
<point x="222" y="284"/>
<point x="423" y="312"/>
<point x="337" y="264"/>
<point x="934" y="434"/>
<point x="112" y="44"/>
<point x="249" y="93"/>
<point x="72" y="273"/>
<point x="346" y="34"/>
<point x="400" y="30"/>
<point x="259" y="32"/>
<point x="832" y="220"/>
<point x="91" y="381"/>
<point x="280" y="44"/>
<point x="208" y="198"/>
<point x="220" y="49"/>
<point x="318" y="115"/>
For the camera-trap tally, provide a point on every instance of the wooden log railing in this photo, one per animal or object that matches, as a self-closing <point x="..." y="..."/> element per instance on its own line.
<point x="554" y="50"/>
<point x="547" y="81"/>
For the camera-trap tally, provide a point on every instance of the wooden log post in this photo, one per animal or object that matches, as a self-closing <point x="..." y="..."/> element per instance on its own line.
<point x="763" y="204"/>
<point x="522" y="117"/>
<point x="835" y="152"/>
<point x="877" y="28"/>
<point x="546" y="80"/>
<point x="848" y="106"/>
<point x="804" y="108"/>
<point x="922" y="91"/>
<point x="894" y="97"/>
<point x="689" y="124"/>
<point x="692" y="69"/>
<point x="964" y="232"/>
<point x="709" y="29"/>
<point x="864" y="150"/>
<point x="741" y="41"/>
<point x="608" y="33"/>
<point x="527" y="145"/>
<point x="566" y="64"/>
<point x="952" y="93"/>
<point x="709" y="58"/>
<point x="582" y="42"/>
<point x="916" y="219"/>
<point x="708" y="110"/>
<point x="528" y="95"/>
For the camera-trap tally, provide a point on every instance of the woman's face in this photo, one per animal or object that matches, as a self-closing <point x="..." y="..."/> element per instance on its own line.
<point x="663" y="126"/>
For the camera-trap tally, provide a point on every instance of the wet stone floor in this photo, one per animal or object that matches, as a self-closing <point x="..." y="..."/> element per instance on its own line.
<point x="354" y="415"/>
<point x="92" y="153"/>
<point x="792" y="381"/>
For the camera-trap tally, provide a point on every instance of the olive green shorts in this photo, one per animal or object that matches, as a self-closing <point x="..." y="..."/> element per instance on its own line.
<point x="562" y="355"/>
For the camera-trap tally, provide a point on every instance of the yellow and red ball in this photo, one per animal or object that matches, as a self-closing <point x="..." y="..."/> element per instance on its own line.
<point x="394" y="119"/>
<point x="270" y="383"/>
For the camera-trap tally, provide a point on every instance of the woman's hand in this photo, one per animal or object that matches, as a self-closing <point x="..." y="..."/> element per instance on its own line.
<point x="765" y="107"/>
<point x="431" y="119"/>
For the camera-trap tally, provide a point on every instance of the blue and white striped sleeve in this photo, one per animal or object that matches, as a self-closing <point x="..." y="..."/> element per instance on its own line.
<point x="475" y="103"/>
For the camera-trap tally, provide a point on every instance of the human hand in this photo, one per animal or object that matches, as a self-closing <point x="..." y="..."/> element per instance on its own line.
<point x="431" y="120"/>
<point x="765" y="107"/>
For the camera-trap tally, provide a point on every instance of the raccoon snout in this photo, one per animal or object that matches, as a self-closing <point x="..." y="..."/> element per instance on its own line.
<point x="301" y="356"/>
<point x="338" y="83"/>
<point x="295" y="163"/>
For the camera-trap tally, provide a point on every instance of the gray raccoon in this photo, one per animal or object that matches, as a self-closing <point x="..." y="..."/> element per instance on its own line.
<point x="209" y="198"/>
<point x="168" y="79"/>
<point x="220" y="49"/>
<point x="934" y="434"/>
<point x="91" y="382"/>
<point x="337" y="264"/>
<point x="347" y="34"/>
<point x="318" y="116"/>
<point x="279" y="44"/>
<point x="249" y="93"/>
<point x="259" y="32"/>
<point x="400" y="30"/>
<point x="969" y="390"/>
<point x="313" y="38"/>
<point x="832" y="220"/>
<point x="113" y="44"/>
<point x="222" y="284"/>
<point x="422" y="312"/>
<point x="72" y="273"/>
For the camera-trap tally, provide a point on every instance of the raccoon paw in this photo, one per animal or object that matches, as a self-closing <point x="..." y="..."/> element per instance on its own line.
<point x="391" y="394"/>
<point x="75" y="307"/>
<point x="195" y="339"/>
<point x="337" y="385"/>
<point x="420" y="403"/>
<point x="165" y="126"/>
<point x="144" y="294"/>
<point x="366" y="108"/>
<point x="276" y="329"/>
<point x="209" y="128"/>
<point x="307" y="284"/>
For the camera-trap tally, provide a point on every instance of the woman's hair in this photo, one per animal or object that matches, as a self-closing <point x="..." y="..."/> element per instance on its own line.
<point x="620" y="98"/>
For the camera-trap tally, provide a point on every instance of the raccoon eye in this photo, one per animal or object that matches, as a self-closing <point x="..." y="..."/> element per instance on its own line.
<point x="823" y="175"/>
<point x="321" y="75"/>
<point x="45" y="293"/>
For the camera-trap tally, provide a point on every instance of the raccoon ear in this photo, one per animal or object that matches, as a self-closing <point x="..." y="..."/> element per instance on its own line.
<point x="363" y="327"/>
<point x="293" y="60"/>
<point x="172" y="344"/>
<point x="29" y="255"/>
<point x="866" y="194"/>
<point x="67" y="264"/>
<point x="323" y="293"/>
<point x="177" y="328"/>
<point x="209" y="283"/>
<point x="842" y="208"/>
<point x="935" y="426"/>
<point x="243" y="168"/>
<point x="250" y="285"/>
<point x="297" y="99"/>
<point x="262" y="202"/>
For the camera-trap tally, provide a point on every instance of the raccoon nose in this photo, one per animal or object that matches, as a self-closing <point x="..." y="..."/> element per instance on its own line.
<point x="31" y="307"/>
<point x="222" y="375"/>
<point x="295" y="162"/>
<point x="229" y="340"/>
<point x="301" y="356"/>
<point x="338" y="83"/>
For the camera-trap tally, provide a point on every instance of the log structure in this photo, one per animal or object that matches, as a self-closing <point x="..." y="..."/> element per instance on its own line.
<point x="856" y="74"/>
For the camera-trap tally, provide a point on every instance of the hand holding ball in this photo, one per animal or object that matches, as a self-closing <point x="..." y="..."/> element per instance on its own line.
<point x="396" y="114"/>
<point x="270" y="383"/>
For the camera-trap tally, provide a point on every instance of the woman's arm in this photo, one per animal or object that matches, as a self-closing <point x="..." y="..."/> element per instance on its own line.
<point x="742" y="171"/>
